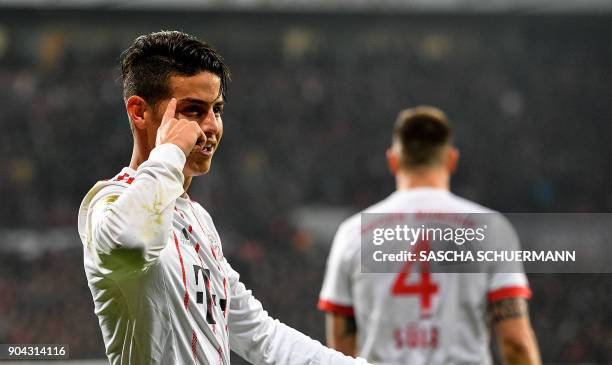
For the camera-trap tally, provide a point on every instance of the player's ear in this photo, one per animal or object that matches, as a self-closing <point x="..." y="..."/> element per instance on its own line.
<point x="136" y="108"/>
<point x="452" y="159"/>
<point x="392" y="160"/>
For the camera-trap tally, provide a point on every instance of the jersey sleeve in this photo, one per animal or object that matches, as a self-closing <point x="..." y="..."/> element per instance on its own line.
<point x="125" y="225"/>
<point x="260" y="339"/>
<point x="336" y="293"/>
<point x="507" y="280"/>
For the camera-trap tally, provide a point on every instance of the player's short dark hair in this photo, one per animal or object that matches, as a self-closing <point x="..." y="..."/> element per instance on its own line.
<point x="422" y="133"/>
<point x="146" y="66"/>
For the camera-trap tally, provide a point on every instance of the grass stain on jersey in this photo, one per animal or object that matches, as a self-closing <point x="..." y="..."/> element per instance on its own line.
<point x="111" y="199"/>
<point x="155" y="219"/>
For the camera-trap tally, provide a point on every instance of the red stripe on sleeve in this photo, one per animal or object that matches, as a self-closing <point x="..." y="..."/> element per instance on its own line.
<point x="220" y="352"/>
<point x="194" y="343"/>
<point x="186" y="299"/>
<point x="509" y="292"/>
<point x="178" y="250"/>
<point x="226" y="298"/>
<point x="327" y="306"/>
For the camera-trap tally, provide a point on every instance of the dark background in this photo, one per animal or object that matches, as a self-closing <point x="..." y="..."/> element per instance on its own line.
<point x="311" y="108"/>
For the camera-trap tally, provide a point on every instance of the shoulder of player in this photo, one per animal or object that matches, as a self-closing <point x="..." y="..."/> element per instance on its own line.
<point x="497" y="221"/>
<point x="103" y="190"/>
<point x="118" y="182"/>
<point x="347" y="238"/>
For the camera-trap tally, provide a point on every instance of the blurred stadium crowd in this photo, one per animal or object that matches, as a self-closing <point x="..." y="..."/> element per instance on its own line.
<point x="310" y="113"/>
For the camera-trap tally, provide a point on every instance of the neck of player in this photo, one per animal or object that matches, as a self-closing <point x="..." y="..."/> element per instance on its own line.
<point x="186" y="184"/>
<point x="431" y="177"/>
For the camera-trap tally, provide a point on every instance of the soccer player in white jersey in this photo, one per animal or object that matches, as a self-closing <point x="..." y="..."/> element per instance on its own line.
<point x="423" y="318"/>
<point x="162" y="289"/>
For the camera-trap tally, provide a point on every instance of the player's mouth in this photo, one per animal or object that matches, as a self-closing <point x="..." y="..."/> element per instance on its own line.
<point x="207" y="149"/>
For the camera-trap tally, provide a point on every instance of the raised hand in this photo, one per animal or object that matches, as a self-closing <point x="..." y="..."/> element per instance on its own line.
<point x="181" y="132"/>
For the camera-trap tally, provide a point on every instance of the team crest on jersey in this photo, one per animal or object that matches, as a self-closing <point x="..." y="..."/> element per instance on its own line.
<point x="215" y="247"/>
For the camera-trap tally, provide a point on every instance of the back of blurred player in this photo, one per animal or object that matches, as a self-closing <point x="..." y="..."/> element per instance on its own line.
<point x="414" y="317"/>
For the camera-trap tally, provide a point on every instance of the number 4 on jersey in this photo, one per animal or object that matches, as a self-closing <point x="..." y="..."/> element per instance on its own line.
<point x="425" y="288"/>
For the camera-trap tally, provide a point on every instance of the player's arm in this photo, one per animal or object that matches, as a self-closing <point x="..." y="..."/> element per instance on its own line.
<point x="341" y="332"/>
<point x="133" y="223"/>
<point x="516" y="339"/>
<point x="336" y="297"/>
<point x="260" y="339"/>
<point x="507" y="298"/>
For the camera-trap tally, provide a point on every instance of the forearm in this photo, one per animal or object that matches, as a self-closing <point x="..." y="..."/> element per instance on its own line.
<point x="262" y="340"/>
<point x="524" y="352"/>
<point x="141" y="215"/>
<point x="517" y="341"/>
<point x="280" y="344"/>
<point x="341" y="333"/>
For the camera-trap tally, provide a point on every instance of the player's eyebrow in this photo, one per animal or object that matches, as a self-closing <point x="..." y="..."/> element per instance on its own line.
<point x="217" y="101"/>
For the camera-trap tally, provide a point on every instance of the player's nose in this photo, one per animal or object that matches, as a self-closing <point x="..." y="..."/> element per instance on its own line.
<point x="210" y="124"/>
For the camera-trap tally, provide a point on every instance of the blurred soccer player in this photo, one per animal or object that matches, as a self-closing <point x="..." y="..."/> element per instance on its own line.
<point x="383" y="317"/>
<point x="162" y="289"/>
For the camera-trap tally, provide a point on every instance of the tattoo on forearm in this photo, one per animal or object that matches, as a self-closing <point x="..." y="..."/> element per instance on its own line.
<point x="508" y="308"/>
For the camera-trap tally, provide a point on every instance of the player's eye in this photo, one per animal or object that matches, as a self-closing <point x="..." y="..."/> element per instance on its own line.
<point x="192" y="111"/>
<point x="218" y="109"/>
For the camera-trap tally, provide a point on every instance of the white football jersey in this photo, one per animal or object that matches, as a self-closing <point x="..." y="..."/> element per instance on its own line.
<point x="162" y="289"/>
<point x="416" y="317"/>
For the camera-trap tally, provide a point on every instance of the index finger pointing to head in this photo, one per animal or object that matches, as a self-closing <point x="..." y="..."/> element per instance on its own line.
<point x="170" y="110"/>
